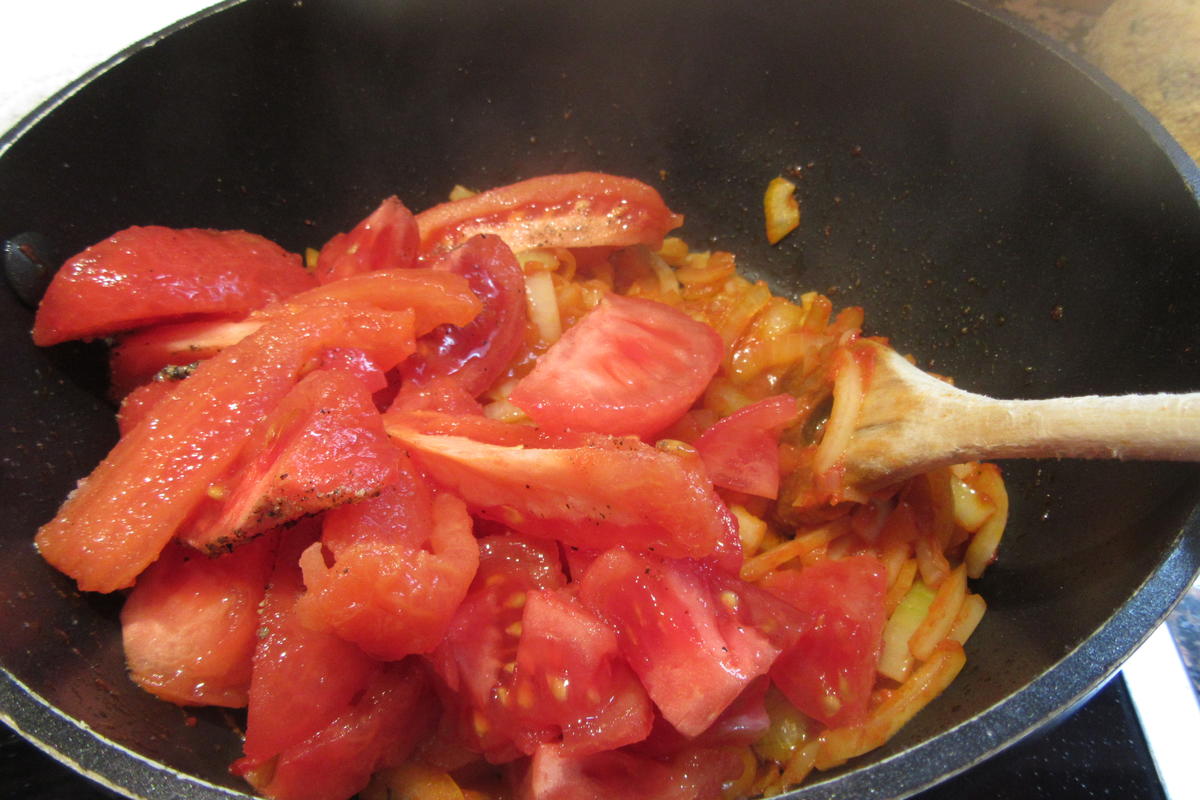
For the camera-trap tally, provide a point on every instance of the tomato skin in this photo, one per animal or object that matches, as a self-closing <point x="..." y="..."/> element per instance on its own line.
<point x="393" y="592"/>
<point x="476" y="353"/>
<point x="122" y="515"/>
<point x="829" y="671"/>
<point x="302" y="679"/>
<point x="690" y="633"/>
<point x="604" y="493"/>
<point x="584" y="209"/>
<point x="741" y="451"/>
<point x="322" y="446"/>
<point x="697" y="773"/>
<point x="188" y="627"/>
<point x="386" y="239"/>
<point x="142" y="276"/>
<point x="629" y="367"/>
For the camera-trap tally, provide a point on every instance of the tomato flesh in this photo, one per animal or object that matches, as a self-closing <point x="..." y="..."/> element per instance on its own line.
<point x="741" y="451"/>
<point x="386" y="239"/>
<point x="142" y="276"/>
<point x="631" y="366"/>
<point x="608" y="492"/>
<point x="585" y="209"/>
<point x="698" y="772"/>
<point x="829" y="671"/>
<point x="189" y="624"/>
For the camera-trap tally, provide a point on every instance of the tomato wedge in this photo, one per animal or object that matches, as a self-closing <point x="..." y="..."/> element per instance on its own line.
<point x="139" y="356"/>
<point x="741" y="451"/>
<point x="629" y="367"/>
<point x="189" y="624"/>
<point x="829" y="671"/>
<point x="695" y="638"/>
<point x="605" y="493"/>
<point x="302" y="679"/>
<point x="393" y="586"/>
<point x="122" y="515"/>
<point x="583" y="209"/>
<point x="386" y="239"/>
<point x="476" y="353"/>
<point x="322" y="446"/>
<point x="142" y="276"/>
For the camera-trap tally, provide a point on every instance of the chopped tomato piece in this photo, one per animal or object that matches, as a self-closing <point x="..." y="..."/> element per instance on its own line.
<point x="477" y="352"/>
<point x="584" y="209"/>
<point x="605" y="493"/>
<point x="139" y="356"/>
<point x="742" y="723"/>
<point x="741" y="451"/>
<point x="695" y="637"/>
<point x="393" y="586"/>
<point x="386" y="239"/>
<point x="137" y="404"/>
<point x="829" y="671"/>
<point x="356" y="363"/>
<point x="378" y="730"/>
<point x="321" y="447"/>
<point x="122" y="515"/>
<point x="302" y="679"/>
<point x="698" y="773"/>
<point x="443" y="394"/>
<point x="189" y="624"/>
<point x="630" y="367"/>
<point x="143" y="276"/>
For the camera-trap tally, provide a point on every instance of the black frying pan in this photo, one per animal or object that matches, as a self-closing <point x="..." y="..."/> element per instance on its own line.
<point x="999" y="209"/>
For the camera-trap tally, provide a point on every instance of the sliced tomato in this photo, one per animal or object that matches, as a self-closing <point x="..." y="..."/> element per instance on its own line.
<point x="380" y="729"/>
<point x="829" y="671"/>
<point x="386" y="239"/>
<point x="122" y="515"/>
<point x="138" y="357"/>
<point x="143" y="276"/>
<point x="323" y="446"/>
<point x="629" y="367"/>
<point x="302" y="679"/>
<point x="584" y="209"/>
<point x="444" y="394"/>
<point x="356" y="363"/>
<point x="476" y="427"/>
<point x="478" y="654"/>
<point x="695" y="637"/>
<point x="189" y="625"/>
<point x="476" y="353"/>
<point x="698" y="773"/>
<point x="605" y="493"/>
<point x="392" y="590"/>
<point x="741" y="451"/>
<point x="742" y="723"/>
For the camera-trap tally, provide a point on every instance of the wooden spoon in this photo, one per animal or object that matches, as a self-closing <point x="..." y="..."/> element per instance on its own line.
<point x="911" y="422"/>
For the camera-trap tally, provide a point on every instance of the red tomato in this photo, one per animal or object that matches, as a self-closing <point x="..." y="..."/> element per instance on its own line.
<point x="476" y="427"/>
<point x="585" y="209"/>
<point x="387" y="239"/>
<point x="695" y="637"/>
<point x="741" y="451"/>
<point x="321" y="447"/>
<point x="698" y="773"/>
<point x="137" y="404"/>
<point x="356" y="363"/>
<point x="444" y="394"/>
<point x="829" y="671"/>
<point x="302" y="679"/>
<point x="476" y="353"/>
<point x="189" y="624"/>
<point x="122" y="515"/>
<point x="142" y="276"/>
<point x="393" y="587"/>
<point x="478" y="654"/>
<point x="629" y="367"/>
<point x="139" y="356"/>
<point x="742" y="723"/>
<point x="378" y="730"/>
<point x="605" y="493"/>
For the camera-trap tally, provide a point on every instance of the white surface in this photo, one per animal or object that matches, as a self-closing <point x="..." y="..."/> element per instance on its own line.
<point x="1170" y="715"/>
<point x="46" y="44"/>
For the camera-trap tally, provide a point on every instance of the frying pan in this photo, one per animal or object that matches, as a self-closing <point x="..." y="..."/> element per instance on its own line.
<point x="1002" y="212"/>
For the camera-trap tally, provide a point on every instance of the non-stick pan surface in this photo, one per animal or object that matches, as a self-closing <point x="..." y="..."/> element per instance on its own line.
<point x="1001" y="212"/>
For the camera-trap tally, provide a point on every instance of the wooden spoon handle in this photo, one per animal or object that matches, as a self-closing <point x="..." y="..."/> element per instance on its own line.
<point x="1160" y="427"/>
